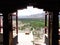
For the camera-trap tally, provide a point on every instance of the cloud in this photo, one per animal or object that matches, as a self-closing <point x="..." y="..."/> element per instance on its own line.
<point x="29" y="11"/>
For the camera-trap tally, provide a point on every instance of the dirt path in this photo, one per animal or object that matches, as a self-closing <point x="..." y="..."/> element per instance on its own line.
<point x="25" y="39"/>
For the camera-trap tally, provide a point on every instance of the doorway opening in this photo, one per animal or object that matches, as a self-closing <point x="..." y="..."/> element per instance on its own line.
<point x="31" y="26"/>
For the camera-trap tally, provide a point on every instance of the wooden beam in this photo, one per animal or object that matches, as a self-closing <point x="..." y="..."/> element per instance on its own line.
<point x="0" y="23"/>
<point x="11" y="31"/>
<point x="53" y="28"/>
<point x="16" y="22"/>
<point x="17" y="25"/>
<point x="45" y="22"/>
<point x="50" y="28"/>
<point x="55" y="25"/>
<point x="7" y="28"/>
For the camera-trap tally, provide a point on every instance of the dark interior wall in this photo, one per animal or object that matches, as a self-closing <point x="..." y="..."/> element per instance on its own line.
<point x="8" y="6"/>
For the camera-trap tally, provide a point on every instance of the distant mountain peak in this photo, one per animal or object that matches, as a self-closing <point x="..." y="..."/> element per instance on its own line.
<point x="42" y="15"/>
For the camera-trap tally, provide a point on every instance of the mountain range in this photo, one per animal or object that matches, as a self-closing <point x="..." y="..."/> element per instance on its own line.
<point x="36" y="16"/>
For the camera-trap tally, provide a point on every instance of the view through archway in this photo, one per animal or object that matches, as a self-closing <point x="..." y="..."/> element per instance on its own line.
<point x="31" y="26"/>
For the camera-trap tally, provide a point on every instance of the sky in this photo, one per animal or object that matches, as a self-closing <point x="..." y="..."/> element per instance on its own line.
<point x="29" y="11"/>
